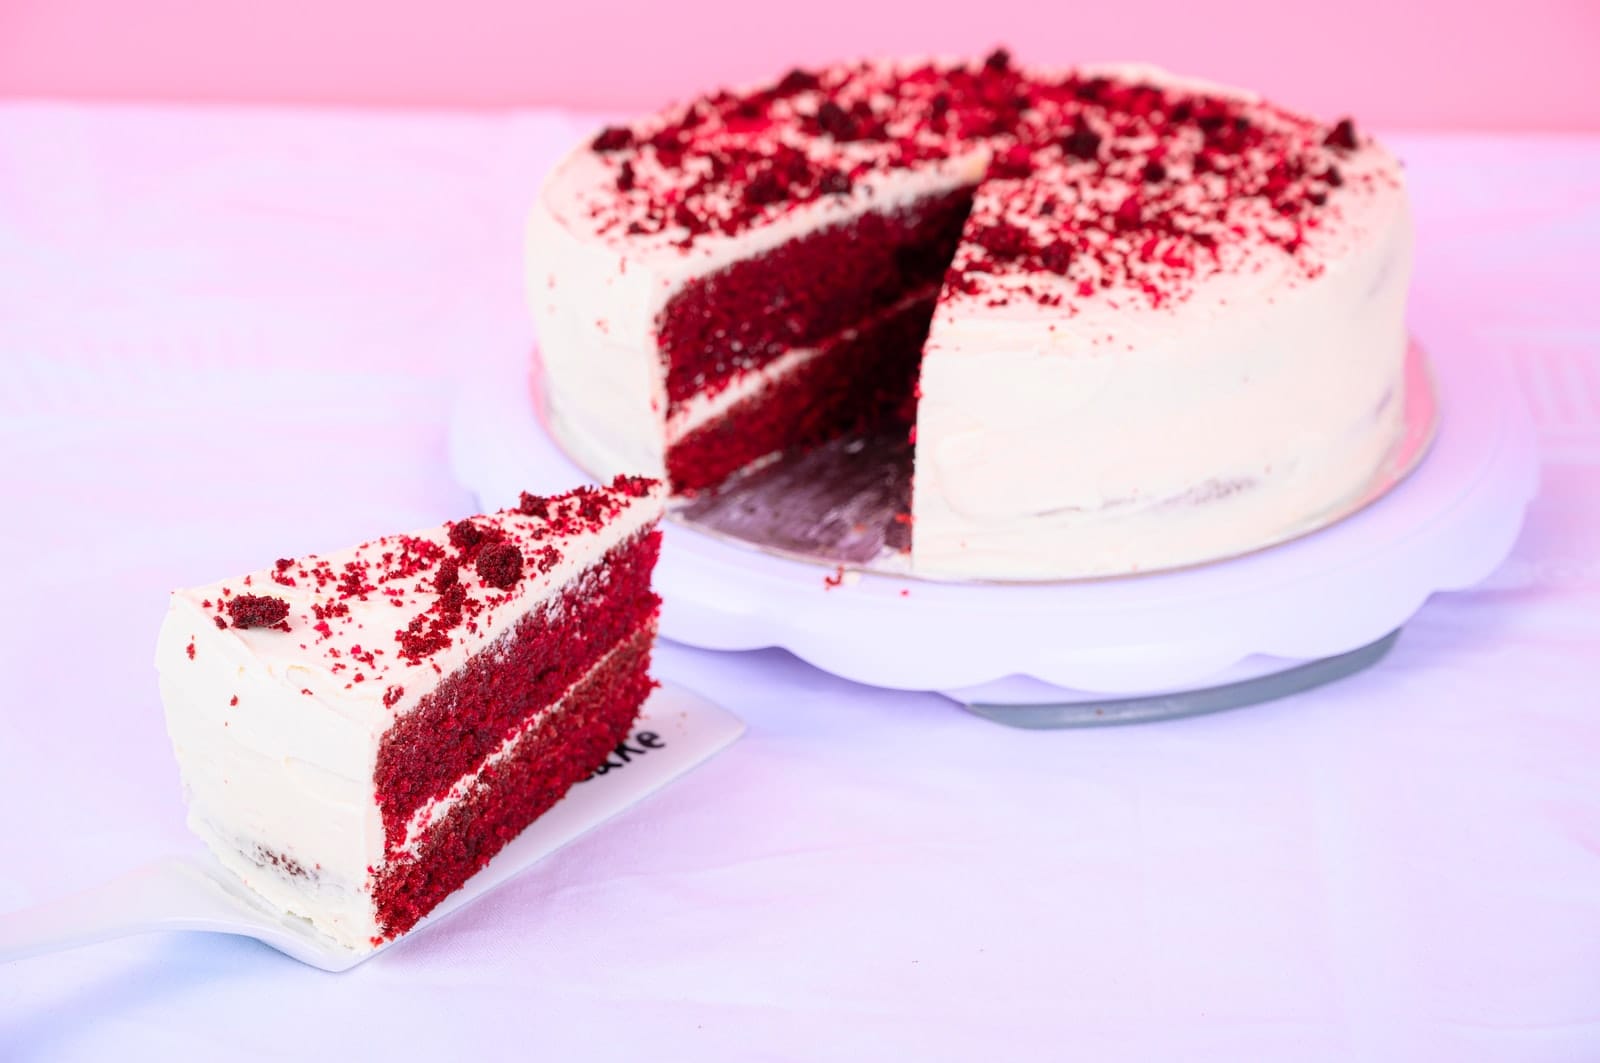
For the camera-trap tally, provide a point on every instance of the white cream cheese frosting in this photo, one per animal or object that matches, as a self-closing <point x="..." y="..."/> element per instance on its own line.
<point x="1125" y="437"/>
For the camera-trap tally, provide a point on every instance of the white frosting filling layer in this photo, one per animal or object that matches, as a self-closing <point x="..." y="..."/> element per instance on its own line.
<point x="278" y="751"/>
<point x="704" y="408"/>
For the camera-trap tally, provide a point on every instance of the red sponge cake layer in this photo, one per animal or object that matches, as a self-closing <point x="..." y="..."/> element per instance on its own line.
<point x="804" y="292"/>
<point x="561" y="748"/>
<point x="862" y="380"/>
<point x="476" y="708"/>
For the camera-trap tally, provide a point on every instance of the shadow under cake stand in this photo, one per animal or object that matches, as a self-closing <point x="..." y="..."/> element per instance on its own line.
<point x="804" y="554"/>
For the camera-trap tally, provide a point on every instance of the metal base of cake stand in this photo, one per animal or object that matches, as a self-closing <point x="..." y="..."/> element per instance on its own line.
<point x="1150" y="708"/>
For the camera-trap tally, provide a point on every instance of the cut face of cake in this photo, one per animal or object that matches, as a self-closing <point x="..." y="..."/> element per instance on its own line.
<point x="359" y="732"/>
<point x="1129" y="321"/>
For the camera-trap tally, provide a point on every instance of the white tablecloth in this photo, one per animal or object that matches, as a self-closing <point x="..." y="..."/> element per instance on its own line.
<point x="229" y="335"/>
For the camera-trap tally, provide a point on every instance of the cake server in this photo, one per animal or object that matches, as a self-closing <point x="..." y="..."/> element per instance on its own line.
<point x="681" y="729"/>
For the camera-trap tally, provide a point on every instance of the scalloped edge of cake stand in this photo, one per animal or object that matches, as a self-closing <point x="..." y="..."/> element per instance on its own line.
<point x="1445" y="527"/>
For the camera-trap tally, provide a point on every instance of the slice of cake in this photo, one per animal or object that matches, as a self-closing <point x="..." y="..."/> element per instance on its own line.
<point x="1128" y="320"/>
<point x="359" y="732"/>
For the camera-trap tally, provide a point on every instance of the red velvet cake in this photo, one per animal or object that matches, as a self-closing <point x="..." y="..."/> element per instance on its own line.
<point x="1133" y="320"/>
<point x="359" y="732"/>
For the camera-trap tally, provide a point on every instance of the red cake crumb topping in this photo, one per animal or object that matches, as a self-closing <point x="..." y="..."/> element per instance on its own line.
<point x="1175" y="185"/>
<point x="413" y="556"/>
<point x="500" y="565"/>
<point x="189" y="649"/>
<point x="1114" y="182"/>
<point x="440" y="589"/>
<point x="258" y="610"/>
<point x="729" y="160"/>
<point x="1342" y="136"/>
<point x="631" y="486"/>
<point x="428" y="632"/>
<point x="613" y="138"/>
<point x="469" y="538"/>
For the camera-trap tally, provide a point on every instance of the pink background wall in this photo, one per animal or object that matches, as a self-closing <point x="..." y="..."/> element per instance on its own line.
<point x="1464" y="65"/>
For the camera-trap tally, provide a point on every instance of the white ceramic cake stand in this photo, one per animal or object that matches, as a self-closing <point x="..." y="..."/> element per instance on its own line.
<point x="1088" y="652"/>
<point x="680" y="729"/>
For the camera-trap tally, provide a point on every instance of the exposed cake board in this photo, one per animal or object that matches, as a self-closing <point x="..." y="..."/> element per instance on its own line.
<point x="1332" y="592"/>
<point x="677" y="731"/>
